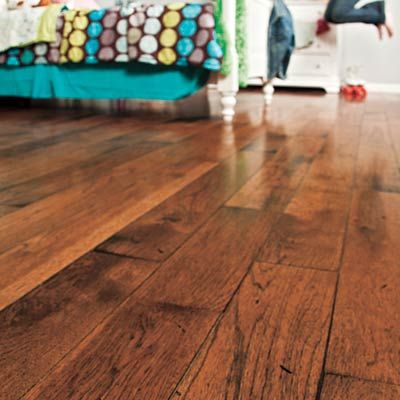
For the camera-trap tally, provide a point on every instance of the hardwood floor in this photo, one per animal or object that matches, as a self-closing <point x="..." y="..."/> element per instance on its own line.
<point x="157" y="258"/>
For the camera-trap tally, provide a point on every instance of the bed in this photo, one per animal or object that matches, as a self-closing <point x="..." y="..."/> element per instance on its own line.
<point x="131" y="74"/>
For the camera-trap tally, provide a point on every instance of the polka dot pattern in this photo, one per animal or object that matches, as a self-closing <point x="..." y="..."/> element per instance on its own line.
<point x="184" y="35"/>
<point x="175" y="34"/>
<point x="100" y="35"/>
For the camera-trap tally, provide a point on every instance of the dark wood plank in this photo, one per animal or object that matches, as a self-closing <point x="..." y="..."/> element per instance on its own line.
<point x="4" y="210"/>
<point x="271" y="341"/>
<point x="275" y="183"/>
<point x="46" y="133"/>
<point x="377" y="167"/>
<point x="333" y="167"/>
<point x="163" y="324"/>
<point x="160" y="232"/>
<point x="365" y="338"/>
<point x="310" y="232"/>
<point x="25" y="193"/>
<point x="339" y="388"/>
<point x="19" y="167"/>
<point x="41" y="239"/>
<point x="37" y="331"/>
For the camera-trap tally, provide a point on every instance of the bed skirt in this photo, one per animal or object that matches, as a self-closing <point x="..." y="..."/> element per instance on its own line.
<point x="107" y="81"/>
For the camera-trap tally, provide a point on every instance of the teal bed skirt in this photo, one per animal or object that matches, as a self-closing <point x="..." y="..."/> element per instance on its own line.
<point x="107" y="81"/>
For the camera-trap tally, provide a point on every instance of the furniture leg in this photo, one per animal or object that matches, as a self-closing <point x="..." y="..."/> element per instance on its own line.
<point x="228" y="86"/>
<point x="268" y="90"/>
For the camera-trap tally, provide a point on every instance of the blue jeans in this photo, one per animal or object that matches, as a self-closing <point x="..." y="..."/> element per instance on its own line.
<point x="281" y="40"/>
<point x="343" y="11"/>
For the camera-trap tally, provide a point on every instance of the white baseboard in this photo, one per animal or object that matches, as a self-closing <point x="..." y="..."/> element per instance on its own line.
<point x="383" y="88"/>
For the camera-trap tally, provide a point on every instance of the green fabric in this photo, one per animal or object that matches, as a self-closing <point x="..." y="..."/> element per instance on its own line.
<point x="222" y="36"/>
<point x="241" y="39"/>
<point x="107" y="81"/>
<point x="47" y="26"/>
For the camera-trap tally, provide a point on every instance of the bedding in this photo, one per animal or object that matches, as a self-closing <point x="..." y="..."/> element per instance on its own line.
<point x="102" y="81"/>
<point x="176" y="34"/>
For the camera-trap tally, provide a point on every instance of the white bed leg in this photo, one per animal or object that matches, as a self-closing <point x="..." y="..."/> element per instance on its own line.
<point x="228" y="86"/>
<point x="268" y="90"/>
<point x="228" y="101"/>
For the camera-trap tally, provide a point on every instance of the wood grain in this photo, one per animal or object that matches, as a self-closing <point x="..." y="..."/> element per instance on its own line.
<point x="66" y="151"/>
<point x="40" y="329"/>
<point x="157" y="234"/>
<point x="377" y="167"/>
<point x="4" y="210"/>
<point x="162" y="325"/>
<point x="273" y="186"/>
<point x="365" y="338"/>
<point x="339" y="388"/>
<point x="270" y="343"/>
<point x="208" y="200"/>
<point x="310" y="232"/>
<point x="38" y="188"/>
<point x="74" y="221"/>
<point x="332" y="169"/>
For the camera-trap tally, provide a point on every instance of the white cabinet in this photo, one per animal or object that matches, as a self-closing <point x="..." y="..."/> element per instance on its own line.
<point x="316" y="66"/>
<point x="258" y="13"/>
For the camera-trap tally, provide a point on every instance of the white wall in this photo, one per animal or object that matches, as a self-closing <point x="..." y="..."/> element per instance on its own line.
<point x="379" y="60"/>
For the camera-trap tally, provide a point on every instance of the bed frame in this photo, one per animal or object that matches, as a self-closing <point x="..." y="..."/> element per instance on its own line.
<point x="228" y="86"/>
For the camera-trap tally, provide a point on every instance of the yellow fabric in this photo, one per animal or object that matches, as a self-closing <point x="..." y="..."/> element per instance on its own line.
<point x="47" y="26"/>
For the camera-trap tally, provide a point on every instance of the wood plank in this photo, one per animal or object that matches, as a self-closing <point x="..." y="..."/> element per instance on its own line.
<point x="4" y="210"/>
<point x="310" y="232"/>
<point x="84" y="146"/>
<point x="25" y="193"/>
<point x="24" y="131"/>
<point x="175" y="132"/>
<point x="46" y="133"/>
<point x="41" y="239"/>
<point x="161" y="326"/>
<point x="333" y="167"/>
<point x="274" y="184"/>
<point x="377" y="167"/>
<point x="365" y="338"/>
<point x="394" y="130"/>
<point x="339" y="388"/>
<point x="271" y="341"/>
<point x="158" y="234"/>
<point x="40" y="329"/>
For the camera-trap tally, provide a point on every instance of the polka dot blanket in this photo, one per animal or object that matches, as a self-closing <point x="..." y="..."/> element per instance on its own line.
<point x="175" y="34"/>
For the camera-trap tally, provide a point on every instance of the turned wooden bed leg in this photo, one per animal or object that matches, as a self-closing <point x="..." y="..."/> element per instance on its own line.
<point x="228" y="101"/>
<point x="268" y="90"/>
<point x="228" y="86"/>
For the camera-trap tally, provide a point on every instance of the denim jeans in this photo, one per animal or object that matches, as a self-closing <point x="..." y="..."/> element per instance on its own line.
<point x="281" y="41"/>
<point x="344" y="11"/>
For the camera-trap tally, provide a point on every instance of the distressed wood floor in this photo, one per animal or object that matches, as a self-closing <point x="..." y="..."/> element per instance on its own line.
<point x="157" y="258"/>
